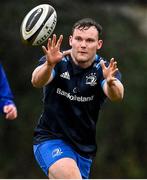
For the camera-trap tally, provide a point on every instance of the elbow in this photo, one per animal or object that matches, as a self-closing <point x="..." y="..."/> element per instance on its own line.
<point x="34" y="80"/>
<point x="35" y="84"/>
<point x="119" y="97"/>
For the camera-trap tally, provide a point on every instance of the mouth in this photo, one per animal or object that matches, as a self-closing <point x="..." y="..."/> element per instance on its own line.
<point x="82" y="52"/>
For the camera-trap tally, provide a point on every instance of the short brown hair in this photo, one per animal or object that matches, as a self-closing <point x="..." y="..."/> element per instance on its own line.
<point x="87" y="23"/>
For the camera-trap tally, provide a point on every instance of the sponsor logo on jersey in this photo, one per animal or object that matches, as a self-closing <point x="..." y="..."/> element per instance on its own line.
<point x="91" y="79"/>
<point x="74" y="97"/>
<point x="57" y="152"/>
<point x="76" y="90"/>
<point x="65" y="75"/>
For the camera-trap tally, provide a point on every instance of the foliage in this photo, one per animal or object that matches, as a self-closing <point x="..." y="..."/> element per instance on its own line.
<point x="121" y="130"/>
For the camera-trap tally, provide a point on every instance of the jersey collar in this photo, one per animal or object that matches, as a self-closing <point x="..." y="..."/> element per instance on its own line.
<point x="77" y="69"/>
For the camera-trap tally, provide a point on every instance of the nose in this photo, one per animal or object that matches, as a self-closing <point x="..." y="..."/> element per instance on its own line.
<point x="83" y="44"/>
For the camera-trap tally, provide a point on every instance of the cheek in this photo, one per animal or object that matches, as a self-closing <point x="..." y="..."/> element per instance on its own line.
<point x="74" y="45"/>
<point x="97" y="47"/>
<point x="94" y="49"/>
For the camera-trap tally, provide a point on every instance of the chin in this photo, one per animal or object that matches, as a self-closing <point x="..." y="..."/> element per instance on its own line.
<point x="82" y="59"/>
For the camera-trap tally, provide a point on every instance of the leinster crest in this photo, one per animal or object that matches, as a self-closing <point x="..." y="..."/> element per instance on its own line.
<point x="91" y="79"/>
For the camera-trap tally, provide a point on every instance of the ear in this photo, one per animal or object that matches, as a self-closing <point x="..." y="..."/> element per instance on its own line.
<point x="100" y="43"/>
<point x="70" y="40"/>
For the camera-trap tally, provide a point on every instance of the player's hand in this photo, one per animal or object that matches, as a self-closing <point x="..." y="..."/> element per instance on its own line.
<point x="10" y="111"/>
<point x="52" y="51"/>
<point x="110" y="71"/>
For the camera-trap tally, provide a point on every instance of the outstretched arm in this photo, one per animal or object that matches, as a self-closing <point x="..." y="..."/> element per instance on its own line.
<point x="42" y="74"/>
<point x="113" y="88"/>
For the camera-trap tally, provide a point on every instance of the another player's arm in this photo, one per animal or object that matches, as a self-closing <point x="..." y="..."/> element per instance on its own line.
<point x="112" y="87"/>
<point x="10" y="111"/>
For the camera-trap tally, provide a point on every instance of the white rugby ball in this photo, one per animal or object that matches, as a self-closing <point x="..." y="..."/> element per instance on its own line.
<point x="38" y="24"/>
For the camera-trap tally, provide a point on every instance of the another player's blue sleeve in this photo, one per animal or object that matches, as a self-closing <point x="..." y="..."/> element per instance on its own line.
<point x="6" y="96"/>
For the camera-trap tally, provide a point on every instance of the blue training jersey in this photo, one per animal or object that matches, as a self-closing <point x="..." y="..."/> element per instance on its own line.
<point x="71" y="105"/>
<point x="6" y="96"/>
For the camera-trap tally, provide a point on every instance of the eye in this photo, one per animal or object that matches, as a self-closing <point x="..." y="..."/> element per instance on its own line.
<point x="78" y="38"/>
<point x="90" y="40"/>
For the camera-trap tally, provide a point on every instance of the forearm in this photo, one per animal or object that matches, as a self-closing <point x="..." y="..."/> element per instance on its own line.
<point x="41" y="75"/>
<point x="114" y="91"/>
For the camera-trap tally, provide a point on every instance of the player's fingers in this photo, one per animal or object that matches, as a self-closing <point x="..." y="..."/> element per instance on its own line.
<point x="54" y="40"/>
<point x="102" y="64"/>
<point x="5" y="109"/>
<point x="49" y="43"/>
<point x="44" y="49"/>
<point x="11" y="114"/>
<point x="59" y="41"/>
<point x="114" y="71"/>
<point x="111" y="62"/>
<point x="8" y="108"/>
<point x="115" y="65"/>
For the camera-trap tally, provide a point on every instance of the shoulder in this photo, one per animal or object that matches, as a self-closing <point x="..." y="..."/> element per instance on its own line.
<point x="65" y="59"/>
<point x="97" y="62"/>
<point x="42" y="60"/>
<point x="63" y="63"/>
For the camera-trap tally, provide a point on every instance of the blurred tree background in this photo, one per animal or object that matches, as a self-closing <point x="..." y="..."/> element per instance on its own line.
<point x="122" y="127"/>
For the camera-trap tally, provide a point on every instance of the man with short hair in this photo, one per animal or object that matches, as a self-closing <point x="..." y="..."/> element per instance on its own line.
<point x="75" y="85"/>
